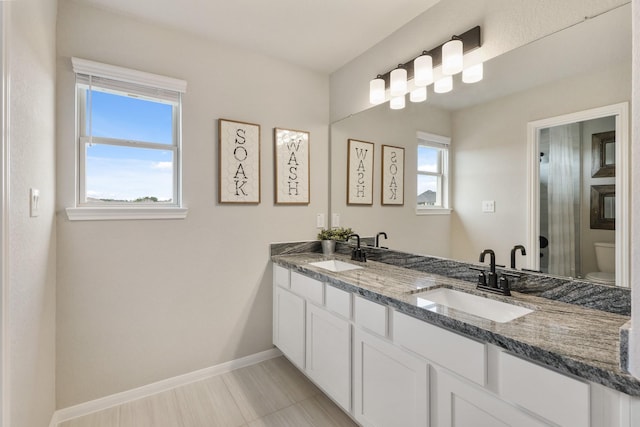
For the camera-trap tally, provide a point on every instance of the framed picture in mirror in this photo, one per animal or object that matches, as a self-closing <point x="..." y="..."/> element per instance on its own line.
<point x="359" y="172"/>
<point x="603" y="207"/>
<point x="291" y="154"/>
<point x="603" y="154"/>
<point x="392" y="188"/>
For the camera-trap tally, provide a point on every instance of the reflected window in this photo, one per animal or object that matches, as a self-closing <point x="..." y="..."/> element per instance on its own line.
<point x="432" y="169"/>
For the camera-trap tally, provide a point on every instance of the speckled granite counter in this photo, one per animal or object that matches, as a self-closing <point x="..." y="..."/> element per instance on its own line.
<point x="572" y="339"/>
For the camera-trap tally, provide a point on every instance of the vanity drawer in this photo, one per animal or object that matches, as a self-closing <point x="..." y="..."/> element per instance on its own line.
<point x="280" y="276"/>
<point x="462" y="355"/>
<point x="370" y="315"/>
<point x="338" y="301"/>
<point x="310" y="289"/>
<point x="554" y="396"/>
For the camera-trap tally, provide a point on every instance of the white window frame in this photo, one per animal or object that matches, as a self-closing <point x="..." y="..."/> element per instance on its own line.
<point x="443" y="144"/>
<point x="147" y="82"/>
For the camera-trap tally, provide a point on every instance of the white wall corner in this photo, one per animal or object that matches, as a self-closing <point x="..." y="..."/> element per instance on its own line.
<point x="634" y="333"/>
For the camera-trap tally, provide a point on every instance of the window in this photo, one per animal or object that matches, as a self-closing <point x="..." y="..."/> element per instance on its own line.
<point x="432" y="174"/>
<point x="129" y="139"/>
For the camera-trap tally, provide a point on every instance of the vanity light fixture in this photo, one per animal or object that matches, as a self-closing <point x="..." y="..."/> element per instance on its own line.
<point x="399" y="81"/>
<point x="376" y="90"/>
<point x="439" y="64"/>
<point x="423" y="70"/>
<point x="452" y="56"/>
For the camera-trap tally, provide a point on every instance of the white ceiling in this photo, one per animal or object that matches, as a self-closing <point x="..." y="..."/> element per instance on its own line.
<point x="319" y="34"/>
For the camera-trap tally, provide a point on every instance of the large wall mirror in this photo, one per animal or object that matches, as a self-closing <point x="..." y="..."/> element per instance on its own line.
<point x="580" y="68"/>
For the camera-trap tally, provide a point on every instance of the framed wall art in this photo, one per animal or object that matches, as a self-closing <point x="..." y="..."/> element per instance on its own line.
<point x="291" y="154"/>
<point x="238" y="162"/>
<point x="603" y="154"/>
<point x="392" y="175"/>
<point x="359" y="172"/>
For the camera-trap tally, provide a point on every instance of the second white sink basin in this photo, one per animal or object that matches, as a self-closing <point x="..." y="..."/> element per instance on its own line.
<point x="335" y="265"/>
<point x="497" y="311"/>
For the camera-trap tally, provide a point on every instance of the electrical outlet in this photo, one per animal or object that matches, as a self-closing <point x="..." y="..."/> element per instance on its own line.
<point x="320" y="220"/>
<point x="335" y="220"/>
<point x="488" y="206"/>
<point x="34" y="202"/>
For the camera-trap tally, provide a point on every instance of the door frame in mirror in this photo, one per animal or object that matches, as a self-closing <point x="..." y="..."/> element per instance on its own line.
<point x="622" y="232"/>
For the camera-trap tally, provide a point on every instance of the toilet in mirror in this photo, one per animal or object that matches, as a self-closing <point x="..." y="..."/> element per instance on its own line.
<point x="606" y="262"/>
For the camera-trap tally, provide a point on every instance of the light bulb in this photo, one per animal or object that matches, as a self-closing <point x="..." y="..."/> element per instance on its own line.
<point x="376" y="91"/>
<point x="418" y="94"/>
<point x="397" y="103"/>
<point x="423" y="70"/>
<point x="473" y="74"/>
<point x="443" y="85"/>
<point x="398" y="82"/>
<point x="452" y="57"/>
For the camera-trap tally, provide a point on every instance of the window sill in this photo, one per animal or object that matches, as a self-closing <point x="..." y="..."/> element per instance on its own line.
<point x="433" y="211"/>
<point x="124" y="213"/>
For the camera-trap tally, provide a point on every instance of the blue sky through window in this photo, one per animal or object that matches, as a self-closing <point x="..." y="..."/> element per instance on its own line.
<point x="127" y="173"/>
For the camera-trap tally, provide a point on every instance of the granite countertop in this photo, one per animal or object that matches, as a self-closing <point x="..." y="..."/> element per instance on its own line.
<point x="569" y="338"/>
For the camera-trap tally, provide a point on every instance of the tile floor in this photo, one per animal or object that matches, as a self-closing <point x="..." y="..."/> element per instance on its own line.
<point x="270" y="394"/>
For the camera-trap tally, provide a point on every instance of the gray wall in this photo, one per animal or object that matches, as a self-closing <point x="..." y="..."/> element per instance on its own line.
<point x="141" y="301"/>
<point x="32" y="241"/>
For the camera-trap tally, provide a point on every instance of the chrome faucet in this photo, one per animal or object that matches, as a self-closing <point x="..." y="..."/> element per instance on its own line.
<point x="513" y="254"/>
<point x="357" y="253"/>
<point x="382" y="233"/>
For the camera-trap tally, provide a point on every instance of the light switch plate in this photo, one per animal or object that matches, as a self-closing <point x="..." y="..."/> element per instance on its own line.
<point x="34" y="202"/>
<point x="488" y="206"/>
<point x="320" y="220"/>
<point x="335" y="220"/>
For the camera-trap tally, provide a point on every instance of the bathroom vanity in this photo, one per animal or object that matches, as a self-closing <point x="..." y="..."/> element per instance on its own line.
<point x="373" y="342"/>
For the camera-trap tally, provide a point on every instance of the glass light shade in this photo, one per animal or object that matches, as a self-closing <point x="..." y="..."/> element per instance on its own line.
<point x="418" y="94"/>
<point x="452" y="57"/>
<point x="423" y="70"/>
<point x="376" y="91"/>
<point x="398" y="82"/>
<point x="473" y="74"/>
<point x="397" y="103"/>
<point x="443" y="85"/>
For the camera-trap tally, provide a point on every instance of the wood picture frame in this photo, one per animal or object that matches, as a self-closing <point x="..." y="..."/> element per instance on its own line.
<point x="603" y="154"/>
<point x="238" y="162"/>
<point x="392" y="187"/>
<point x="603" y="207"/>
<point x="360" y="155"/>
<point x="292" y="166"/>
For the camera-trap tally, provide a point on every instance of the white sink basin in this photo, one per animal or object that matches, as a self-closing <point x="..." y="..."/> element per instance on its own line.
<point x="335" y="266"/>
<point x="473" y="304"/>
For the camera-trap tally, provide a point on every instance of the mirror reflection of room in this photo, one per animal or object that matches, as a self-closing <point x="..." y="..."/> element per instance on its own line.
<point x="573" y="245"/>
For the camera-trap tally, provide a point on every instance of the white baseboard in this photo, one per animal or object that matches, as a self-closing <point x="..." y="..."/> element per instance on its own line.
<point x="106" y="402"/>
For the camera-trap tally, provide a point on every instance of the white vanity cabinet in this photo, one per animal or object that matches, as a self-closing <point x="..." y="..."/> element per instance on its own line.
<point x="464" y="404"/>
<point x="315" y="338"/>
<point x="288" y="325"/>
<point x="402" y="371"/>
<point x="391" y="386"/>
<point x="329" y="353"/>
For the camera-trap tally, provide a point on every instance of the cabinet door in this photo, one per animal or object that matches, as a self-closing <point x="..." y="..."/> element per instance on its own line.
<point x="328" y="354"/>
<point x="390" y="385"/>
<point x="463" y="404"/>
<point x="288" y="325"/>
